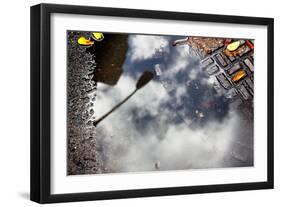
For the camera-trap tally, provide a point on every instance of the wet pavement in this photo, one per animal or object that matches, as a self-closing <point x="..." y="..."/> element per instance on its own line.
<point x="82" y="156"/>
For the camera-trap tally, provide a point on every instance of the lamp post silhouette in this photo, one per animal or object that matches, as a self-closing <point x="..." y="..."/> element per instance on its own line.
<point x="144" y="79"/>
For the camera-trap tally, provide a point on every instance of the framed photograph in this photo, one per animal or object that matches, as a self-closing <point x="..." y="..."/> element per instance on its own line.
<point x="133" y="103"/>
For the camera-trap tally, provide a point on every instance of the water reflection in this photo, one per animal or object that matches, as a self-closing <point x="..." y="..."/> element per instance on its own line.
<point x="177" y="119"/>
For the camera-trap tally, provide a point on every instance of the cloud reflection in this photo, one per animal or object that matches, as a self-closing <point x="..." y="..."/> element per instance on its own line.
<point x="160" y="123"/>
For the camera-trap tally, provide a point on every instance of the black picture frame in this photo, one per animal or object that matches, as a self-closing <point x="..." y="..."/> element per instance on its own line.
<point x="40" y="102"/>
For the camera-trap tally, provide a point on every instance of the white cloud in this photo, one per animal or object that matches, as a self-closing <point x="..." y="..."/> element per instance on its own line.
<point x="180" y="147"/>
<point x="180" y="62"/>
<point x="126" y="148"/>
<point x="144" y="46"/>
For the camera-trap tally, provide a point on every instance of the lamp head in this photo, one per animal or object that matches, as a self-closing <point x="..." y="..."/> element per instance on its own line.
<point x="144" y="79"/>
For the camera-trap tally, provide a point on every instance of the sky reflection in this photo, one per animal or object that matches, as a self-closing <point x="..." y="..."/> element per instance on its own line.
<point x="176" y="120"/>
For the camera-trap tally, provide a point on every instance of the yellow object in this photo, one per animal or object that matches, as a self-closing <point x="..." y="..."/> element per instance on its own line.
<point x="85" y="42"/>
<point x="98" y="36"/>
<point x="233" y="46"/>
<point x="239" y="75"/>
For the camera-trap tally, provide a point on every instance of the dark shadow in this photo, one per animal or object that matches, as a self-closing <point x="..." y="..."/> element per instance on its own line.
<point x="110" y="55"/>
